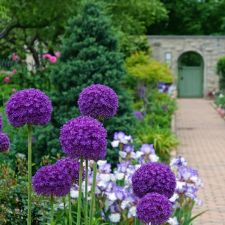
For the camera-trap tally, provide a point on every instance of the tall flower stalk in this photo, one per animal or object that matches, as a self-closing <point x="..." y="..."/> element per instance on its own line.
<point x="29" y="107"/>
<point x="93" y="193"/>
<point x="86" y="193"/>
<point x="29" y="126"/>
<point x="80" y="193"/>
<point x="70" y="209"/>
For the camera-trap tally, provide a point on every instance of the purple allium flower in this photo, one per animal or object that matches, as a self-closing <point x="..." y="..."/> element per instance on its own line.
<point x="0" y="123"/>
<point x="154" y="208"/>
<point x="4" y="142"/>
<point x="154" y="177"/>
<point x="72" y="166"/>
<point x="138" y="115"/>
<point x="84" y="137"/>
<point x="29" y="106"/>
<point x="98" y="101"/>
<point x="52" y="180"/>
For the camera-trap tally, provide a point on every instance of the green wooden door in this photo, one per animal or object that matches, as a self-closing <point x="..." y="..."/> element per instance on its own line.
<point x="190" y="83"/>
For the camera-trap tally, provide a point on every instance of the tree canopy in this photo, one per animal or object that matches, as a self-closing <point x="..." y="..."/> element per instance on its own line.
<point x="192" y="17"/>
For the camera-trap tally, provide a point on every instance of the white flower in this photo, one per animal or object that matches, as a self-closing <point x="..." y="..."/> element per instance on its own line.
<point x="61" y="206"/>
<point x="122" y="154"/>
<point x="173" y="221"/>
<point x="153" y="158"/>
<point x="133" y="155"/>
<point x="105" y="177"/>
<point x="101" y="162"/>
<point x="180" y="186"/>
<point x="115" y="143"/>
<point x="138" y="154"/>
<point x="128" y="138"/>
<point x="112" y="196"/>
<point x="124" y="204"/>
<point x="174" y="197"/>
<point x="119" y="176"/>
<point x="132" y="212"/>
<point x="115" y="217"/>
<point x="74" y="193"/>
<point x="221" y="95"/>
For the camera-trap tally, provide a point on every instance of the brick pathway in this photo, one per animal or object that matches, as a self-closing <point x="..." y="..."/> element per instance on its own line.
<point x="202" y="135"/>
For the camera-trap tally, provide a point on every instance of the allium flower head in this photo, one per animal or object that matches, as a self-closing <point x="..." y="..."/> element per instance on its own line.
<point x="98" y="101"/>
<point x="4" y="142"/>
<point x="29" y="106"/>
<point x="154" y="177"/>
<point x="52" y="180"/>
<point x="84" y="137"/>
<point x="72" y="166"/>
<point x="154" y="208"/>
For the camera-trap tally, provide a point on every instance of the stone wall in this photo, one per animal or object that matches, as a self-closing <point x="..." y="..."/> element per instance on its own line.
<point x="211" y="48"/>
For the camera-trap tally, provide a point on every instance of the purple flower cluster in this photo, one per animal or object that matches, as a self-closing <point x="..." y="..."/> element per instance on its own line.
<point x="52" y="180"/>
<point x="188" y="181"/>
<point x="84" y="137"/>
<point x="98" y="101"/>
<point x="163" y="88"/>
<point x="154" y="177"/>
<point x="114" y="187"/>
<point x="138" y="115"/>
<point x="4" y="142"/>
<point x="30" y="106"/>
<point x="154" y="208"/>
<point x="72" y="166"/>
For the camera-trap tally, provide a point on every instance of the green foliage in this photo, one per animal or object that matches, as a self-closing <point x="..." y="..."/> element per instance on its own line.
<point x="133" y="17"/>
<point x="164" y="140"/>
<point x="89" y="55"/>
<point x="130" y="44"/>
<point x="221" y="72"/>
<point x="191" y="17"/>
<point x="184" y="213"/>
<point x="13" y="193"/>
<point x="156" y="126"/>
<point x="147" y="70"/>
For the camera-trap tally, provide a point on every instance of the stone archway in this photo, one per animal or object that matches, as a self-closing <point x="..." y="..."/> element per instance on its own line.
<point x="190" y="80"/>
<point x="169" y="48"/>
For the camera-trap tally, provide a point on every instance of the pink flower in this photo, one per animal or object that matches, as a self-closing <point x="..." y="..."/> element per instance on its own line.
<point x="15" y="57"/>
<point x="52" y="59"/>
<point x="57" y="54"/>
<point x="46" y="56"/>
<point x="14" y="71"/>
<point x="6" y="79"/>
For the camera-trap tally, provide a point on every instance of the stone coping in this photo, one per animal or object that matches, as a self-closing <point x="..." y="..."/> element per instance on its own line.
<point x="187" y="36"/>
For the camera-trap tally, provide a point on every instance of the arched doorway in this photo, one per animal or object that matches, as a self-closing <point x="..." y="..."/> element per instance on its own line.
<point x="190" y="75"/>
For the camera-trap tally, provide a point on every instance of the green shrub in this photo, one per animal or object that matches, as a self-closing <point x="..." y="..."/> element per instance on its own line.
<point x="89" y="55"/>
<point x="164" y="140"/>
<point x="221" y="72"/>
<point x="147" y="70"/>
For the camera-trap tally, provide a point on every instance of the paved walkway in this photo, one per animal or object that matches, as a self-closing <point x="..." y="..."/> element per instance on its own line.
<point x="202" y="135"/>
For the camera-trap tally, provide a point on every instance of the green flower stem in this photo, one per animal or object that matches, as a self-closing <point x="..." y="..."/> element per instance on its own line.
<point x="52" y="209"/>
<point x="80" y="193"/>
<point x="29" y="126"/>
<point x="93" y="193"/>
<point x="86" y="192"/>
<point x="70" y="209"/>
<point x="65" y="210"/>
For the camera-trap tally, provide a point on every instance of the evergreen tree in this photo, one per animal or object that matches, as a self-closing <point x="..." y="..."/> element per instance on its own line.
<point x="89" y="55"/>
